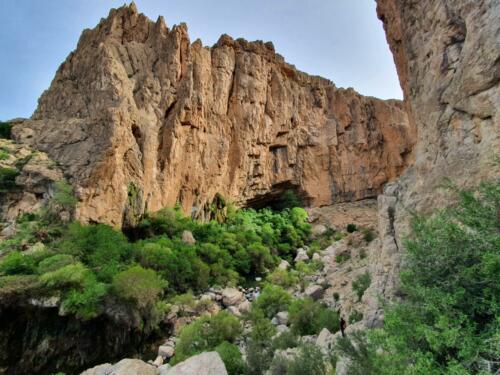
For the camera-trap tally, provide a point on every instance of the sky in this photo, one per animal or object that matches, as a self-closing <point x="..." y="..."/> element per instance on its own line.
<point x="341" y="40"/>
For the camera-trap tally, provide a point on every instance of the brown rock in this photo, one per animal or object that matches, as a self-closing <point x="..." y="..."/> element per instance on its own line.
<point x="140" y="118"/>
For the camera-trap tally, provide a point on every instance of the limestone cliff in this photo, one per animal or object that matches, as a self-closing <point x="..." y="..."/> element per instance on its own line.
<point x="140" y="118"/>
<point x="447" y="53"/>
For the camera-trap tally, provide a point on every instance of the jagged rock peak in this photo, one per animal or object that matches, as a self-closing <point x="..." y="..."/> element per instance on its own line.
<point x="140" y="118"/>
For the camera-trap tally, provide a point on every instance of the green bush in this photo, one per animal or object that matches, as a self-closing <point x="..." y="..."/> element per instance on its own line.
<point x="283" y="278"/>
<point x="368" y="234"/>
<point x="86" y="302"/>
<point x="341" y="258"/>
<point x="99" y="247"/>
<point x="285" y="340"/>
<point x="272" y="300"/>
<point x="64" y="195"/>
<point x="5" y="130"/>
<point x="351" y="228"/>
<point x="231" y="356"/>
<point x="361" y="283"/>
<point x="308" y="317"/>
<point x="7" y="179"/>
<point x="138" y="285"/>
<point x="447" y="322"/>
<point x="72" y="275"/>
<point x="309" y="361"/>
<point x="16" y="263"/>
<point x="206" y="333"/>
<point x="54" y="262"/>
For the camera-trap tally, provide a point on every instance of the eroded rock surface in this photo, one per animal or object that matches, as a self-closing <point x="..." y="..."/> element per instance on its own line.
<point x="27" y="180"/>
<point x="447" y="53"/>
<point x="141" y="118"/>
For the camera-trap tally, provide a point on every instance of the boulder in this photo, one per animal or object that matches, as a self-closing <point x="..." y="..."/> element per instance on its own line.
<point x="232" y="297"/>
<point x="244" y="307"/>
<point x="284" y="265"/>
<point x="282" y="317"/>
<point x="234" y="311"/>
<point x="187" y="237"/>
<point x="314" y="291"/>
<point x="98" y="370"/>
<point x="126" y="366"/>
<point x="318" y="230"/>
<point x="324" y="340"/>
<point x="301" y="255"/>
<point x="282" y="328"/>
<point x="166" y="351"/>
<point x="158" y="361"/>
<point x="209" y="363"/>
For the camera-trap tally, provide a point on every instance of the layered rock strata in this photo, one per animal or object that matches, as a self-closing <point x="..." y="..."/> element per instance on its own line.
<point x="140" y="118"/>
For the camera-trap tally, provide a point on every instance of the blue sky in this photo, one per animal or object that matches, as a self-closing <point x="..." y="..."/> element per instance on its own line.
<point x="338" y="39"/>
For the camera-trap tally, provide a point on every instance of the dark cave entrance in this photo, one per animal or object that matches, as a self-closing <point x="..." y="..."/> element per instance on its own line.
<point x="281" y="196"/>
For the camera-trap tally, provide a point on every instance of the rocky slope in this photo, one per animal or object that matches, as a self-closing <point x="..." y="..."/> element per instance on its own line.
<point x="448" y="58"/>
<point x="141" y="118"/>
<point x="27" y="181"/>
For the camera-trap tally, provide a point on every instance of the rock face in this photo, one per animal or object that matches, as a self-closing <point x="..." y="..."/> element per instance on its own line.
<point x="35" y="177"/>
<point x="140" y="118"/>
<point x="447" y="53"/>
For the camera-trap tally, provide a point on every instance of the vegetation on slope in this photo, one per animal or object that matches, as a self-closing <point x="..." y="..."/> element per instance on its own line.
<point x="448" y="320"/>
<point x="92" y="267"/>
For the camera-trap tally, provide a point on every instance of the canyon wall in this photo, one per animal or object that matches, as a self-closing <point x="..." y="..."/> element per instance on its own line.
<point x="447" y="53"/>
<point x="140" y="118"/>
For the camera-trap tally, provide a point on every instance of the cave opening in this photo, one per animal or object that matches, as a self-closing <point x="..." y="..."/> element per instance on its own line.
<point x="282" y="195"/>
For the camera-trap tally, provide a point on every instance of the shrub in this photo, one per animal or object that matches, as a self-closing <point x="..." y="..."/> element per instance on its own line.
<point x="283" y="278"/>
<point x="326" y="318"/>
<point x="231" y="356"/>
<point x="285" y="340"/>
<point x="4" y="154"/>
<point x="272" y="300"/>
<point x="309" y="361"/>
<point x="64" y="195"/>
<point x="361" y="283"/>
<point x="7" y="179"/>
<point x="5" y="130"/>
<point x="54" y="262"/>
<point x="86" y="303"/>
<point x="100" y="247"/>
<point x="308" y="317"/>
<point x="16" y="263"/>
<point x="355" y="316"/>
<point x="368" y="234"/>
<point x="138" y="285"/>
<point x="351" y="228"/>
<point x="72" y="275"/>
<point x="341" y="258"/>
<point x="206" y="333"/>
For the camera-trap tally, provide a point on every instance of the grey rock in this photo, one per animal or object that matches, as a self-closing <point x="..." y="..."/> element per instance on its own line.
<point x="208" y="363"/>
<point x="314" y="291"/>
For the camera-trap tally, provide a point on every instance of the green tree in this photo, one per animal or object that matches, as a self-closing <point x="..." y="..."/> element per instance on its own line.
<point x="138" y="285"/>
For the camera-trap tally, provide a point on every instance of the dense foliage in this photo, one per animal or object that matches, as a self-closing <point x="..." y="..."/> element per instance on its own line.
<point x="92" y="266"/>
<point x="448" y="321"/>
